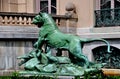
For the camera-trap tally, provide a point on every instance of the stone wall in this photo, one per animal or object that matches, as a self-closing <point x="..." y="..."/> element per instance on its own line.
<point x="10" y="50"/>
<point x="14" y="42"/>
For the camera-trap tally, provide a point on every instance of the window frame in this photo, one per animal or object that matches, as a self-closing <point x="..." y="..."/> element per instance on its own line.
<point x="49" y="6"/>
<point x="107" y="16"/>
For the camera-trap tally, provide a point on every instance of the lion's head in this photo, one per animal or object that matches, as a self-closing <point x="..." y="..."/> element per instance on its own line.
<point x="43" y="18"/>
<point x="38" y="20"/>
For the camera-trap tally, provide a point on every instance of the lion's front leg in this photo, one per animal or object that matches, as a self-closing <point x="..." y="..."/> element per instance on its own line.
<point x="39" y="43"/>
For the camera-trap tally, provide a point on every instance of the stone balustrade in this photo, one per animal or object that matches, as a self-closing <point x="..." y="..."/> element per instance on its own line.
<point x="25" y="19"/>
<point x="15" y="19"/>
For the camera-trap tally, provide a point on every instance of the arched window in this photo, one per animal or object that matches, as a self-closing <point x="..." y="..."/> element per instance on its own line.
<point x="102" y="56"/>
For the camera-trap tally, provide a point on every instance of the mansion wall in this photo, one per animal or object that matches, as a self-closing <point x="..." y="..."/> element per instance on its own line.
<point x="19" y="39"/>
<point x="22" y="6"/>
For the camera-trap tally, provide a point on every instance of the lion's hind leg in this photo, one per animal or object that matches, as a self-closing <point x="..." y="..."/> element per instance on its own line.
<point x="76" y="50"/>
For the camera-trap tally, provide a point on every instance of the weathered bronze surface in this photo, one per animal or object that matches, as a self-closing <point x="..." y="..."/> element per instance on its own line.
<point x="40" y="58"/>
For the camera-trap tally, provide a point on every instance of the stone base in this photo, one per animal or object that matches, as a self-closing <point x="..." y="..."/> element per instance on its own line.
<point x="111" y="72"/>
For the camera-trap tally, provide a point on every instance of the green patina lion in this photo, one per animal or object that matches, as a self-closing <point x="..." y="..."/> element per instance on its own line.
<point x="50" y="35"/>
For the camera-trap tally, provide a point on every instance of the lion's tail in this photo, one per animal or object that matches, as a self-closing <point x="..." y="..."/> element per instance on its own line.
<point x="108" y="45"/>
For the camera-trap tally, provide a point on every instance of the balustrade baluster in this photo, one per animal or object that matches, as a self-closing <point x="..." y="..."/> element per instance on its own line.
<point x="20" y="20"/>
<point x="25" y="20"/>
<point x="29" y="21"/>
<point x="15" y="20"/>
<point x="10" y="20"/>
<point x="5" y="21"/>
<point x="0" y="20"/>
<point x="56" y="20"/>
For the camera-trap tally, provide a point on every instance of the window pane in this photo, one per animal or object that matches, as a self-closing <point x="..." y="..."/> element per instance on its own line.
<point x="53" y="6"/>
<point x="117" y="3"/>
<point x="105" y="14"/>
<point x="105" y="4"/>
<point x="53" y="2"/>
<point x="44" y="6"/>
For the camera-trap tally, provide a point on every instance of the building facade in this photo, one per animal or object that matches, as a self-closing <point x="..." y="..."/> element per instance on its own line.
<point x="86" y="18"/>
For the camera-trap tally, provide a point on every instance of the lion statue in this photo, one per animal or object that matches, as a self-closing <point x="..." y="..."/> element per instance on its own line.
<point x="50" y="35"/>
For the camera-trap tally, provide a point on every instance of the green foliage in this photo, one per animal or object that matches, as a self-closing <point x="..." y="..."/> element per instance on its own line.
<point x="16" y="75"/>
<point x="25" y="77"/>
<point x="87" y="75"/>
<point x="94" y="75"/>
<point x="98" y="75"/>
<point x="112" y="77"/>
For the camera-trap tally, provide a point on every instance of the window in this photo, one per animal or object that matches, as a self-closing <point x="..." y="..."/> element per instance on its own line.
<point x="107" y="13"/>
<point x="112" y="59"/>
<point x="48" y="6"/>
<point x="107" y="4"/>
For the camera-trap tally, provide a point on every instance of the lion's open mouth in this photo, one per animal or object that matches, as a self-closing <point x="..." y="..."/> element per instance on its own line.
<point x="39" y="25"/>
